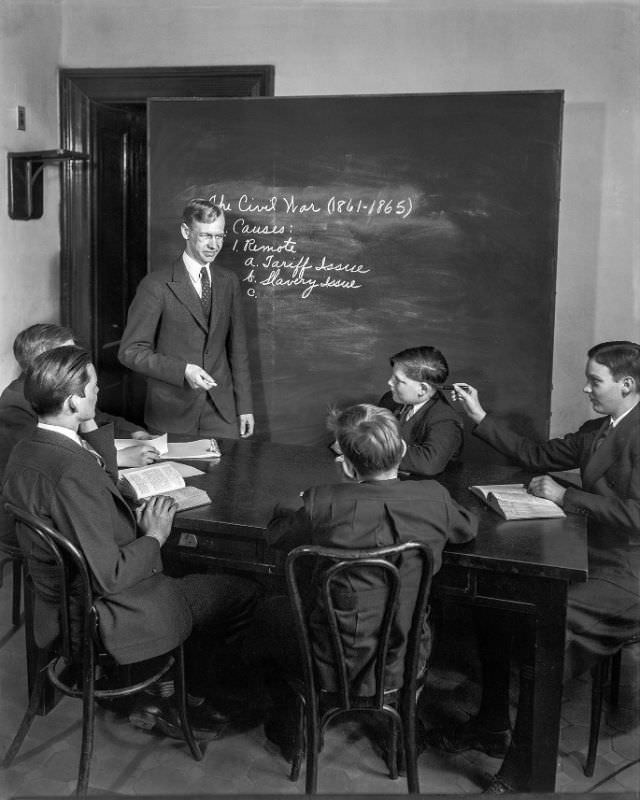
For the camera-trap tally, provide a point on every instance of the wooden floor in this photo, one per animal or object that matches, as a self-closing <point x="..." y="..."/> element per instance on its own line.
<point x="132" y="763"/>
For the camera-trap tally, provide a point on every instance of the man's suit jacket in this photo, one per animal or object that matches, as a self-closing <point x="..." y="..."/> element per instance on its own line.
<point x="166" y="330"/>
<point x="18" y="421"/>
<point x="142" y="612"/>
<point x="365" y="515"/>
<point x="434" y="435"/>
<point x="610" y="493"/>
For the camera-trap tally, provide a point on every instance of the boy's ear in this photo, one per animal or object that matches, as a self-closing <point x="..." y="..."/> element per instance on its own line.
<point x="404" y="450"/>
<point x="348" y="468"/>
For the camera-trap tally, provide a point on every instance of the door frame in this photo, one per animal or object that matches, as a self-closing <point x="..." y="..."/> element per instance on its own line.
<point x="79" y="218"/>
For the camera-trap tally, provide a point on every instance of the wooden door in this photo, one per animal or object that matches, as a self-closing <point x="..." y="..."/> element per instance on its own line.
<point x="121" y="246"/>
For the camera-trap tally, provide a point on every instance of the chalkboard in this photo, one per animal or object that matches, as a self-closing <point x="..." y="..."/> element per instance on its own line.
<point x="361" y="225"/>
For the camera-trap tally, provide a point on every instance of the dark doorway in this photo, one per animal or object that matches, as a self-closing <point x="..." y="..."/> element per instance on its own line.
<point x="104" y="202"/>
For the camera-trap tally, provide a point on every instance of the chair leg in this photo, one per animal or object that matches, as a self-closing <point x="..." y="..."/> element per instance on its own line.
<point x="30" y="713"/>
<point x="410" y="757"/>
<point x="299" y="750"/>
<point x="17" y="592"/>
<point x="598" y="677"/>
<point x="392" y="757"/>
<point x="2" y="563"/>
<point x="88" y="720"/>
<point x="181" y="693"/>
<point x="616" y="662"/>
<point x="313" y="747"/>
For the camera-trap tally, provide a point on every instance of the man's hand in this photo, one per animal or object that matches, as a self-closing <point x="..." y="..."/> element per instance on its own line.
<point x="137" y="455"/>
<point x="141" y="435"/>
<point x="197" y="378"/>
<point x="468" y="396"/>
<point x="155" y="517"/>
<point x="545" y="486"/>
<point x="88" y="425"/>
<point x="246" y="423"/>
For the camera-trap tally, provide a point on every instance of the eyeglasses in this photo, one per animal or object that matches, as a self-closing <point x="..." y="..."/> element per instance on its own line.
<point x="209" y="237"/>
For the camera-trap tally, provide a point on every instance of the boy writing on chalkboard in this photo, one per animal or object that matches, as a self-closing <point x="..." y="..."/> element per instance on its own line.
<point x="371" y="509"/>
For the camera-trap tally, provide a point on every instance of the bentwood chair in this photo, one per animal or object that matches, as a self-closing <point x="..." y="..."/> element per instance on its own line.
<point x="606" y="668"/>
<point x="13" y="558"/>
<point x="73" y="660"/>
<point x="376" y="671"/>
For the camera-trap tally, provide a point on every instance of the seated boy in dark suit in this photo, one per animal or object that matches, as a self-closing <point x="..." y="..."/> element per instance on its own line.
<point x="18" y="420"/>
<point x="430" y="426"/>
<point x="372" y="509"/>
<point x="68" y="479"/>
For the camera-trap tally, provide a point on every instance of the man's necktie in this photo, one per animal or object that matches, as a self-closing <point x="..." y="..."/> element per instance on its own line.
<point x="602" y="436"/>
<point x="205" y="299"/>
<point x="86" y="446"/>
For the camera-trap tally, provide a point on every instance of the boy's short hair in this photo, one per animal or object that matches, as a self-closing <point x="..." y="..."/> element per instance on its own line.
<point x="422" y="364"/>
<point x="369" y="437"/>
<point x="54" y="376"/>
<point x="621" y="358"/>
<point x="37" y="339"/>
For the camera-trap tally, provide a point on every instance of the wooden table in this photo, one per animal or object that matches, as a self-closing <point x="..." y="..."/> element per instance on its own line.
<point x="524" y="567"/>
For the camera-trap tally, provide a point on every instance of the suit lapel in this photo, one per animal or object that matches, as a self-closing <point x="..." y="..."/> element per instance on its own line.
<point x="606" y="454"/>
<point x="183" y="290"/>
<point x="60" y="440"/>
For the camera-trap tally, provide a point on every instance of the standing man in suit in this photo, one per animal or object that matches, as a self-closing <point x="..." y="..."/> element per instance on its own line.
<point x="603" y="612"/>
<point x="372" y="509"/>
<point x="142" y="613"/>
<point x="430" y="426"/>
<point x="185" y="332"/>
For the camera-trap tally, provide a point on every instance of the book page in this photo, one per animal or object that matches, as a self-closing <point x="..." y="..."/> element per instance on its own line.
<point x="155" y="479"/>
<point x="522" y="505"/>
<point x="189" y="497"/>
<point x="484" y="491"/>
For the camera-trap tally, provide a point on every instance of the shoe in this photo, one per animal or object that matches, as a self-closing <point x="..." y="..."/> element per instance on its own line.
<point x="470" y="736"/>
<point x="498" y="785"/>
<point x="205" y="717"/>
<point x="159" y="715"/>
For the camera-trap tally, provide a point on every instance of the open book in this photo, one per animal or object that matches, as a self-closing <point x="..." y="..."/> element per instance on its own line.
<point x="139" y="483"/>
<point x="512" y="501"/>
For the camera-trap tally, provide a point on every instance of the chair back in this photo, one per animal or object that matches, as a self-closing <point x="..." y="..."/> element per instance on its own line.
<point x="59" y="573"/>
<point x="360" y="627"/>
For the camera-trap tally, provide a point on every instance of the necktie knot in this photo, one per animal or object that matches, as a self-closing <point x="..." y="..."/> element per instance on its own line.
<point x="86" y="446"/>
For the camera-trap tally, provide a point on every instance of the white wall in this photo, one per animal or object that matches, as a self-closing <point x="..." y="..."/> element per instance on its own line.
<point x="588" y="49"/>
<point x="30" y="38"/>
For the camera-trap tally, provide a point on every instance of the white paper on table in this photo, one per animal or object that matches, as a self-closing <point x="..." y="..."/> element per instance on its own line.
<point x="159" y="442"/>
<point x="201" y="448"/>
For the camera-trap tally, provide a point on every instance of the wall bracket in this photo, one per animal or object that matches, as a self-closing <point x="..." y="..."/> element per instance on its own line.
<point x="25" y="179"/>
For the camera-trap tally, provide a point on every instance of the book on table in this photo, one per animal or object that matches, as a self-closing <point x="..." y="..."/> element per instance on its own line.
<point x="140" y="483"/>
<point x="513" y="501"/>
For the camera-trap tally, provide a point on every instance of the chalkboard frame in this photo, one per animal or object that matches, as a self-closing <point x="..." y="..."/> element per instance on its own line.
<point x="288" y="405"/>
